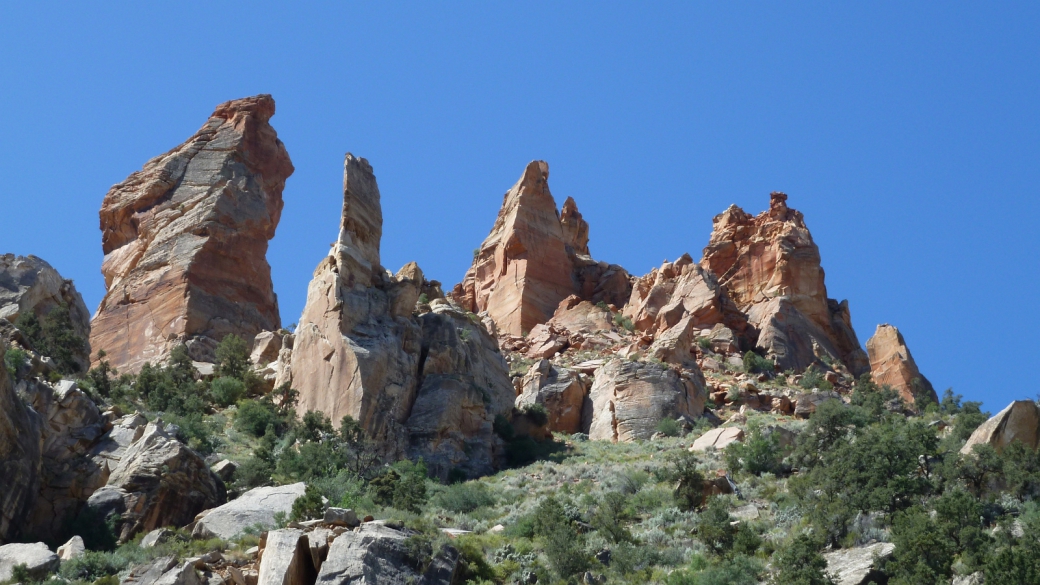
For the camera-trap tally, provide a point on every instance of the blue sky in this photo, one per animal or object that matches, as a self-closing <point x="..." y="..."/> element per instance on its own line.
<point x="907" y="133"/>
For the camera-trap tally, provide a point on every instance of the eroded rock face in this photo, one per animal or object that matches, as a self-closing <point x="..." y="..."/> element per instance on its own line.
<point x="630" y="398"/>
<point x="158" y="482"/>
<point x="1019" y="421"/>
<point x="185" y="241"/>
<point x="770" y="267"/>
<point x="562" y="391"/>
<point x="853" y="566"/>
<point x="378" y="555"/>
<point x="356" y="351"/>
<point x="257" y="506"/>
<point x="36" y="557"/>
<point x="20" y="451"/>
<point x="892" y="364"/>
<point x="28" y="283"/>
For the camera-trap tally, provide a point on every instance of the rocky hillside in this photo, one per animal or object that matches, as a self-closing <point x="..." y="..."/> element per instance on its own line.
<point x="552" y="419"/>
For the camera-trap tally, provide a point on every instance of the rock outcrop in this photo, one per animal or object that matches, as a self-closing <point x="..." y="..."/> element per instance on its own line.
<point x="37" y="558"/>
<point x="534" y="258"/>
<point x="28" y="283"/>
<point x="1019" y="421"/>
<point x="770" y="267"/>
<point x="185" y="241"/>
<point x="258" y="506"/>
<point x="858" y="565"/>
<point x="561" y="391"/>
<point x="158" y="482"/>
<point x="20" y="451"/>
<point x="630" y="398"/>
<point x="425" y="385"/>
<point x="892" y="364"/>
<point x="376" y="554"/>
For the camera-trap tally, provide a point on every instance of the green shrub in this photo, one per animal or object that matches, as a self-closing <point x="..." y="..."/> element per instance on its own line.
<point x="232" y="357"/>
<point x="54" y="337"/>
<point x="813" y="378"/>
<point x="563" y="543"/>
<point x="536" y="413"/>
<point x="89" y="567"/>
<point x="503" y="428"/>
<point x="308" y="506"/>
<point x="689" y="486"/>
<point x="611" y="518"/>
<point x="669" y="427"/>
<point x="254" y="416"/>
<point x="624" y="322"/>
<point x="800" y="563"/>
<point x="704" y="343"/>
<point x="14" y="360"/>
<point x="757" y="364"/>
<point x="402" y="486"/>
<point x="759" y="453"/>
<point x="463" y="498"/>
<point x="227" y="391"/>
<point x="714" y="528"/>
<point x="740" y="570"/>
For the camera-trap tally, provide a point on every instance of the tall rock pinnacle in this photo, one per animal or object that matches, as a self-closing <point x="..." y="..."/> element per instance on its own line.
<point x="891" y="364"/>
<point x="185" y="241"/>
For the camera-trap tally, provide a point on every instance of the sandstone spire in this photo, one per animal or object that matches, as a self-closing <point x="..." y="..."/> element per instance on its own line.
<point x="892" y="364"/>
<point x="575" y="229"/>
<point x="770" y="267"/>
<point x="185" y="241"/>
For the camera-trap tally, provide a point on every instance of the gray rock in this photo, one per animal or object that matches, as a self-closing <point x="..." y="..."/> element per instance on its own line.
<point x="36" y="557"/>
<point x="341" y="517"/>
<point x="163" y="571"/>
<point x="72" y="549"/>
<point x="376" y="554"/>
<point x="286" y="559"/>
<point x="157" y="537"/>
<point x="20" y="450"/>
<point x="852" y="566"/>
<point x="973" y="579"/>
<point x="225" y="469"/>
<point x="257" y="506"/>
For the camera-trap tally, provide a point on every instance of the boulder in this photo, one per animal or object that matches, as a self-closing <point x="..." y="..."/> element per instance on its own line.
<point x="891" y="364"/>
<point x="161" y="483"/>
<point x="185" y="241"/>
<point x="72" y="549"/>
<point x="805" y="404"/>
<point x="718" y="439"/>
<point x="545" y="341"/>
<point x="858" y="565"/>
<point x="36" y="557"/>
<point x="20" y="451"/>
<point x="1019" y="421"/>
<point x="352" y="355"/>
<point x="562" y="391"/>
<point x="286" y="559"/>
<point x="157" y="537"/>
<point x="378" y="555"/>
<point x="318" y="540"/>
<point x="770" y="267"/>
<point x="29" y="284"/>
<point x="225" y="469"/>
<point x="341" y="517"/>
<point x="266" y="347"/>
<point x="257" y="506"/>
<point x="629" y="399"/>
<point x="163" y="571"/>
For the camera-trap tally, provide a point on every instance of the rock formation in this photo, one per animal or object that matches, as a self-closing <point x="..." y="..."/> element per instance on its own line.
<point x="892" y="364"/>
<point x="185" y="241"/>
<point x="380" y="555"/>
<point x="429" y="386"/>
<point x="20" y="451"/>
<point x="258" y="506"/>
<point x="562" y="391"/>
<point x="28" y="283"/>
<point x="770" y="267"/>
<point x="534" y="258"/>
<point x="1019" y="421"/>
<point x="630" y="398"/>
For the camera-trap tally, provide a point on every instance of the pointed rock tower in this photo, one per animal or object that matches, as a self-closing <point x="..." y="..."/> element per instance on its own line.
<point x="534" y="258"/>
<point x="185" y="241"/>
<point x="892" y="364"/>
<point x="770" y="267"/>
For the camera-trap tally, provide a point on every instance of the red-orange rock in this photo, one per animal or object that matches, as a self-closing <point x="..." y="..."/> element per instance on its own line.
<point x="534" y="258"/>
<point x="185" y="241"/>
<point x="770" y="266"/>
<point x="892" y="364"/>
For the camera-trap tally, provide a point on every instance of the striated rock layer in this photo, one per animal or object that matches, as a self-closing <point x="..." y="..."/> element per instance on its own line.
<point x="20" y="451"/>
<point x="534" y="258"/>
<point x="185" y="241"/>
<point x="421" y="386"/>
<point x="892" y="364"/>
<point x="770" y="267"/>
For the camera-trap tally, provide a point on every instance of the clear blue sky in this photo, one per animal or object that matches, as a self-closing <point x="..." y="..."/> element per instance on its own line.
<point x="908" y="134"/>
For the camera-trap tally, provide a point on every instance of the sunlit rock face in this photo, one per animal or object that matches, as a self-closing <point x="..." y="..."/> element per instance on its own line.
<point x="185" y="241"/>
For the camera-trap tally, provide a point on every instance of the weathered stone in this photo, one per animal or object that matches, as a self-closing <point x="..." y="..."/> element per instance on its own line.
<point x="36" y="557"/>
<point x="157" y="537"/>
<point x="351" y="355"/>
<point x="770" y="267"/>
<point x="630" y="398"/>
<point x="578" y="316"/>
<point x="1019" y="421"/>
<point x="856" y="566"/>
<point x="162" y="483"/>
<point x="20" y="451"/>
<point x="575" y="229"/>
<point x="163" y="571"/>
<point x="72" y="549"/>
<point x="286" y="559"/>
<point x="266" y="346"/>
<point x="318" y="540"/>
<point x="891" y="364"/>
<point x="561" y="391"/>
<point x="185" y="240"/>
<point x="378" y="555"/>
<point x="805" y="404"/>
<point x="544" y="342"/>
<point x="257" y="506"/>
<point x="341" y="517"/>
<point x="29" y="284"/>
<point x="718" y="439"/>
<point x="225" y="469"/>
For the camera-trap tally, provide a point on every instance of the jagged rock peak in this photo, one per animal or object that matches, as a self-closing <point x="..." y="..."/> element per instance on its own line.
<point x="770" y="267"/>
<point x="361" y="224"/>
<point x="185" y="241"/>
<point x="892" y="364"/>
<point x="575" y="229"/>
